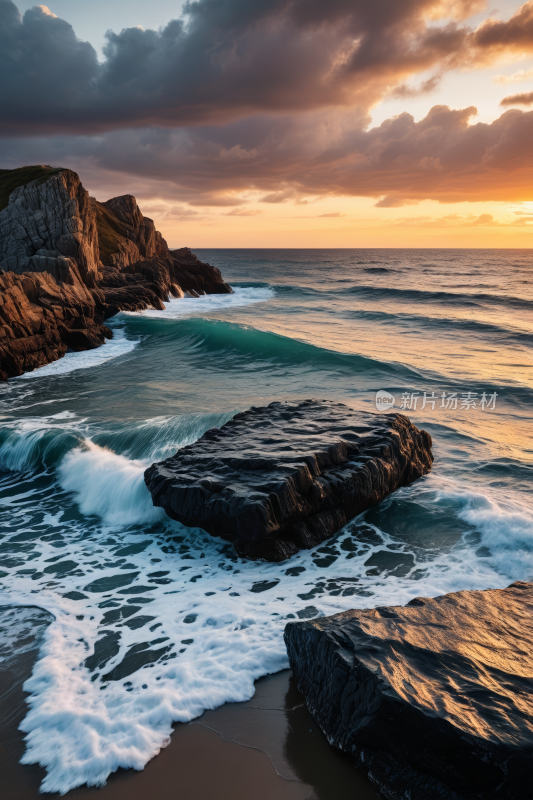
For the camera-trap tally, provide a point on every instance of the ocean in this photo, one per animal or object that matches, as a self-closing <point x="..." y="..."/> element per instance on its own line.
<point x="151" y="622"/>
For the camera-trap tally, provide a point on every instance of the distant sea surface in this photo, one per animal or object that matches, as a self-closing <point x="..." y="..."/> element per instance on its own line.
<point x="153" y="622"/>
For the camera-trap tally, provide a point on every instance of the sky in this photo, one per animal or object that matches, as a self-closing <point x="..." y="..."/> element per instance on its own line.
<point x="283" y="123"/>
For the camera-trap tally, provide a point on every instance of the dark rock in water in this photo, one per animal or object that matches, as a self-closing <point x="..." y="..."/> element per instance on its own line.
<point x="434" y="699"/>
<point x="287" y="476"/>
<point x="195" y="276"/>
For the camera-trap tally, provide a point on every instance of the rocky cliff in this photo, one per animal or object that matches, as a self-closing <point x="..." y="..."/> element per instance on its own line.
<point x="287" y="476"/>
<point x="68" y="262"/>
<point x="434" y="699"/>
<point x="49" y="225"/>
<point x="41" y="317"/>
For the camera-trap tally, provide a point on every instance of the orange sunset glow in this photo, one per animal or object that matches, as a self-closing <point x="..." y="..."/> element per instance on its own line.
<point x="342" y="124"/>
<point x="266" y="399"/>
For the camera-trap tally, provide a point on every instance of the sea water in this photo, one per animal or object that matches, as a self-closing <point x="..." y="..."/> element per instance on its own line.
<point x="153" y="622"/>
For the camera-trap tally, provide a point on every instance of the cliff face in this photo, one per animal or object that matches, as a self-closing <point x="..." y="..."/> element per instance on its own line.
<point x="125" y="236"/>
<point x="40" y="318"/>
<point x="137" y="269"/>
<point x="67" y="262"/>
<point x="50" y="226"/>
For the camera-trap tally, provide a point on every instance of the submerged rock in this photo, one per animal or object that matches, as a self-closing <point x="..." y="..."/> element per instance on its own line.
<point x="434" y="699"/>
<point x="276" y="479"/>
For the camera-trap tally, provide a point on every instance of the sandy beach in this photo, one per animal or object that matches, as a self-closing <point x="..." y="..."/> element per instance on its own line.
<point x="268" y="748"/>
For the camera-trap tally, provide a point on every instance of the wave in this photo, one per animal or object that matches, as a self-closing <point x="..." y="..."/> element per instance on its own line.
<point x="224" y="341"/>
<point x="38" y="441"/>
<point x="108" y="485"/>
<point x="45" y="441"/>
<point x="186" y="306"/>
<point x="158" y="438"/>
<point x="444" y="323"/>
<point x="380" y="270"/>
<point x="119" y="345"/>
<point x="506" y="531"/>
<point x="442" y="297"/>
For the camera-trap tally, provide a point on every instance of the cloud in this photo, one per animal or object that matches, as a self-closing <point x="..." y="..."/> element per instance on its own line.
<point x="426" y="87"/>
<point x="335" y="214"/>
<point x="390" y="201"/>
<point x="297" y="158"/>
<point x="448" y="221"/>
<point x="231" y="59"/>
<point x="516" y="77"/>
<point x="496" y="38"/>
<point x="484" y="219"/>
<point x="214" y="200"/>
<point x="279" y="197"/>
<point x="458" y="221"/>
<point x="243" y="212"/>
<point x="525" y="99"/>
<point x="181" y="212"/>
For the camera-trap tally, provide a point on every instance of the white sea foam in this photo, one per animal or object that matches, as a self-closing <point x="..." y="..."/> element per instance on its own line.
<point x="186" y="306"/>
<point x="206" y="623"/>
<point x="119" y="345"/>
<point x="506" y="530"/>
<point x="108" y="485"/>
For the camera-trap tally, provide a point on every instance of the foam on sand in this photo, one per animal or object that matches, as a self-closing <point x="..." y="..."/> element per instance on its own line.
<point x="155" y="623"/>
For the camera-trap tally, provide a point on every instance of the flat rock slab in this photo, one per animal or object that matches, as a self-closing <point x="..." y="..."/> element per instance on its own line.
<point x="434" y="699"/>
<point x="276" y="479"/>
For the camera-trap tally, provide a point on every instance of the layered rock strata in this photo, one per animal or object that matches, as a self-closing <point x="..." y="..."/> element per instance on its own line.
<point x="434" y="699"/>
<point x="138" y="270"/>
<point x="276" y="479"/>
<point x="68" y="262"/>
<point x="49" y="225"/>
<point x="40" y="318"/>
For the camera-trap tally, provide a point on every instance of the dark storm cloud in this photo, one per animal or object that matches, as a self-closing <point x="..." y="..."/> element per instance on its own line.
<point x="269" y="96"/>
<point x="231" y="58"/>
<point x="446" y="156"/>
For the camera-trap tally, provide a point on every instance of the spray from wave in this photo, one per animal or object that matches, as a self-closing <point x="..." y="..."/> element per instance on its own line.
<point x="186" y="306"/>
<point x="108" y="485"/>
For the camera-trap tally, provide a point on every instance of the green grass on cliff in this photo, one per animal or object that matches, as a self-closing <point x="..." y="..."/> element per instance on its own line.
<point x="11" y="179"/>
<point x="110" y="231"/>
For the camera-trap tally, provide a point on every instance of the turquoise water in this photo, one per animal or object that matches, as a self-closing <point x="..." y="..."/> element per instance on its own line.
<point x="153" y="622"/>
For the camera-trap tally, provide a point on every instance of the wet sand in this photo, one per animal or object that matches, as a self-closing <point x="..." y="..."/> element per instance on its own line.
<point x="267" y="749"/>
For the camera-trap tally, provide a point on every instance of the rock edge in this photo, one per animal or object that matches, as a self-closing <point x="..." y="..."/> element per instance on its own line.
<point x="434" y="699"/>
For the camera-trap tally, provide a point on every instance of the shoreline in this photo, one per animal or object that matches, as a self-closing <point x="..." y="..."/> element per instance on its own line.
<point x="268" y="748"/>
